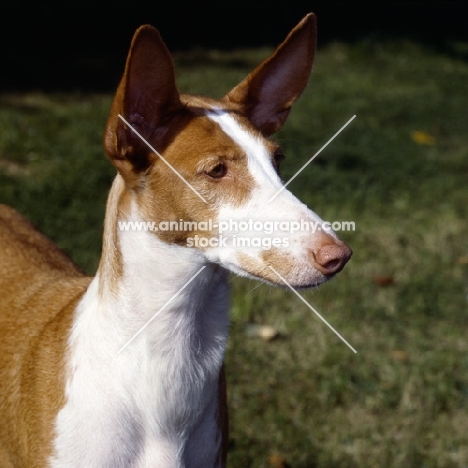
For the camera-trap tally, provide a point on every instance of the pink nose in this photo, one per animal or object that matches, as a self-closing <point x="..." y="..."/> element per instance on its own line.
<point x="331" y="256"/>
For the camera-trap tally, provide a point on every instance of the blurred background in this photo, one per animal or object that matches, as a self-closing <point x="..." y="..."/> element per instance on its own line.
<point x="298" y="396"/>
<point x="82" y="45"/>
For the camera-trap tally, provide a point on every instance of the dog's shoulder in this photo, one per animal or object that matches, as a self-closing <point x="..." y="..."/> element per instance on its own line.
<point x="25" y="249"/>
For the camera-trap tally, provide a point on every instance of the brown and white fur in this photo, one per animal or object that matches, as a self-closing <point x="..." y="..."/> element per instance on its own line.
<point x="68" y="397"/>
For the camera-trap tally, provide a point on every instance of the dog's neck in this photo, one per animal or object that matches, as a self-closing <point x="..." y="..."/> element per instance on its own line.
<point x="174" y="364"/>
<point x="146" y="279"/>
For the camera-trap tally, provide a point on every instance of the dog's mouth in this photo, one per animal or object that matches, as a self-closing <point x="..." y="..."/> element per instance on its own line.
<point x="300" y="277"/>
<point x="282" y="269"/>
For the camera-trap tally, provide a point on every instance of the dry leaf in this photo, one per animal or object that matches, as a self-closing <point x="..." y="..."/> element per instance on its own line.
<point x="267" y="332"/>
<point x="423" y="138"/>
<point x="384" y="280"/>
<point x="399" y="354"/>
<point x="277" y="461"/>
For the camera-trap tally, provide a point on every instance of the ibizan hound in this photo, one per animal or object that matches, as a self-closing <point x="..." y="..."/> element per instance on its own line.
<point x="126" y="369"/>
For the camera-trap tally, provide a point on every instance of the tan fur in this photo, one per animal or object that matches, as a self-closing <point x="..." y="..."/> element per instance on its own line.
<point x="40" y="288"/>
<point x="201" y="146"/>
<point x="110" y="265"/>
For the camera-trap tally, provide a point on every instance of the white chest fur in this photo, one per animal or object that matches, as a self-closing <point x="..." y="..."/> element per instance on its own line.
<point x="154" y="404"/>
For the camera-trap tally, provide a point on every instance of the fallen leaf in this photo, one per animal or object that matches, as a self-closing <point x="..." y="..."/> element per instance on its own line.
<point x="267" y="332"/>
<point x="277" y="461"/>
<point x="423" y="138"/>
<point x="399" y="354"/>
<point x="384" y="280"/>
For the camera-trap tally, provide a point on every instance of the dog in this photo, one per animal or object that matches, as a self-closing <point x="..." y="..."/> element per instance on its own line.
<point x="126" y="369"/>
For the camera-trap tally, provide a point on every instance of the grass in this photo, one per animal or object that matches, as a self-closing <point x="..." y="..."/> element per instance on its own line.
<point x="402" y="400"/>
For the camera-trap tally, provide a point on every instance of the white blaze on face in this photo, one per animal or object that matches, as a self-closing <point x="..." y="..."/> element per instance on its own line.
<point x="260" y="233"/>
<point x="258" y="157"/>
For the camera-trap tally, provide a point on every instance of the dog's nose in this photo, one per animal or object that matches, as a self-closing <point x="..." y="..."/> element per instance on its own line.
<point x="331" y="257"/>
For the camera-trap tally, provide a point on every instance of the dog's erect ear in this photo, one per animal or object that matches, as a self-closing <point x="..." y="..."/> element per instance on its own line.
<point x="147" y="96"/>
<point x="268" y="93"/>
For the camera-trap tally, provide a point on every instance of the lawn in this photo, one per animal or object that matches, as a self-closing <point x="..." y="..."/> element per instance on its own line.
<point x="399" y="171"/>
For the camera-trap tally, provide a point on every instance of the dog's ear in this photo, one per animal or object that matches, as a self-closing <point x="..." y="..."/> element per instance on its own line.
<point x="146" y="98"/>
<point x="267" y="94"/>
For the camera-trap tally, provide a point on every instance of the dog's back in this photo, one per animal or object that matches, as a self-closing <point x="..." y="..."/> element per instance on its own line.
<point x="39" y="287"/>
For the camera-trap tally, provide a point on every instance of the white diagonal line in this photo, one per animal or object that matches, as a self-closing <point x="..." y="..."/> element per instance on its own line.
<point x="313" y="310"/>
<point x="312" y="158"/>
<point x="161" y="309"/>
<point x="156" y="152"/>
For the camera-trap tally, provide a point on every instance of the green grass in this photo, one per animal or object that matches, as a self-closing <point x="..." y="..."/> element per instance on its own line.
<point x="402" y="400"/>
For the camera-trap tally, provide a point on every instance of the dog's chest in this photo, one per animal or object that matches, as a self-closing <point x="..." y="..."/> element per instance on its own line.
<point x="154" y="404"/>
<point x="142" y="423"/>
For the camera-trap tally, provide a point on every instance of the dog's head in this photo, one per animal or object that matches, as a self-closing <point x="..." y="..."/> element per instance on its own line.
<point x="208" y="170"/>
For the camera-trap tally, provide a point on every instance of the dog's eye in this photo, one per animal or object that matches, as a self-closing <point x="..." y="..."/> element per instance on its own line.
<point x="218" y="171"/>
<point x="278" y="156"/>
